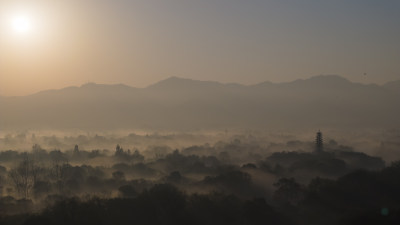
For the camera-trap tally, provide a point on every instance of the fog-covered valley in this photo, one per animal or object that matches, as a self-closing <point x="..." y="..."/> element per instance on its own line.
<point x="40" y="171"/>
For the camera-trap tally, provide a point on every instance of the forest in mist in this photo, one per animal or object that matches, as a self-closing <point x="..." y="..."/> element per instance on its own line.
<point x="221" y="177"/>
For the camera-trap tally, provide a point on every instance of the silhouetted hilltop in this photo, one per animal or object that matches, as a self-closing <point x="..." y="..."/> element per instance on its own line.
<point x="176" y="103"/>
<point x="176" y="83"/>
<point x="87" y="88"/>
<point x="321" y="80"/>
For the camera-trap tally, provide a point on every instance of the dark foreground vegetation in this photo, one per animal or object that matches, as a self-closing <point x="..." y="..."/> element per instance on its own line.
<point x="360" y="197"/>
<point x="227" y="183"/>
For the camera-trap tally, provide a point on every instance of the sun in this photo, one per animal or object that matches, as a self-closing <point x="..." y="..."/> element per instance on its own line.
<point x="21" y="23"/>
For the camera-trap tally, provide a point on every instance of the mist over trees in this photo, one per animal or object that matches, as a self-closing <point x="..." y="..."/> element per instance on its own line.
<point x="239" y="179"/>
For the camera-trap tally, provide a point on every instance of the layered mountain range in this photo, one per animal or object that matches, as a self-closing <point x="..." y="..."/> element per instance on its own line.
<point x="177" y="103"/>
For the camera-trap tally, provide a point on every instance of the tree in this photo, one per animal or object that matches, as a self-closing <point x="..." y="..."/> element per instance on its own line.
<point x="119" y="151"/>
<point x="127" y="191"/>
<point x="24" y="176"/>
<point x="118" y="175"/>
<point x="59" y="163"/>
<point x="137" y="157"/>
<point x="288" y="191"/>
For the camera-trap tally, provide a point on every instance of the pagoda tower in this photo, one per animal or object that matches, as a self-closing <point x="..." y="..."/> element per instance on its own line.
<point x="319" y="142"/>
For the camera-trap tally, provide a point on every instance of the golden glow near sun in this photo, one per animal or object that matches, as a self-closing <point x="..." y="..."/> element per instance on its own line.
<point x="21" y="23"/>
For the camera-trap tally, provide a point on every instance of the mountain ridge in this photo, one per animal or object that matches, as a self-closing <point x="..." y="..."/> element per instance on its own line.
<point x="174" y="81"/>
<point x="178" y="103"/>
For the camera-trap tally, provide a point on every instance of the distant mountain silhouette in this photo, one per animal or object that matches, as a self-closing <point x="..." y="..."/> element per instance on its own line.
<point x="177" y="103"/>
<point x="173" y="83"/>
<point x="393" y="86"/>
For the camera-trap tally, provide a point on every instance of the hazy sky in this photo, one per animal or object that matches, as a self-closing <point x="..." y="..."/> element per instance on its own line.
<point x="139" y="42"/>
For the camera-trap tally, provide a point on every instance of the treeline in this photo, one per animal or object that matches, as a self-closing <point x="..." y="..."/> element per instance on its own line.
<point x="40" y="173"/>
<point x="41" y="176"/>
<point x="129" y="186"/>
<point x="162" y="204"/>
<point x="361" y="197"/>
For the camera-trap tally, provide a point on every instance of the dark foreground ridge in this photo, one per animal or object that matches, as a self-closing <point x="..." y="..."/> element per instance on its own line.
<point x="360" y="197"/>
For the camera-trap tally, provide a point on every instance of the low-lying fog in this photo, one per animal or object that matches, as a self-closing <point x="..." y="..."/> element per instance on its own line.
<point x="381" y="143"/>
<point x="41" y="171"/>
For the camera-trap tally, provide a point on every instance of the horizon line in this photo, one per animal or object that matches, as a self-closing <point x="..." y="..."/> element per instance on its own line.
<point x="195" y="80"/>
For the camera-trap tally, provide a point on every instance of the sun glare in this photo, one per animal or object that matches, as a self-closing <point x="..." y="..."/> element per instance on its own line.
<point x="21" y="23"/>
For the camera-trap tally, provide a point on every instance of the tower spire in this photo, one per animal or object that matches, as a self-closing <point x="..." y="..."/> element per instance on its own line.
<point x="319" y="142"/>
